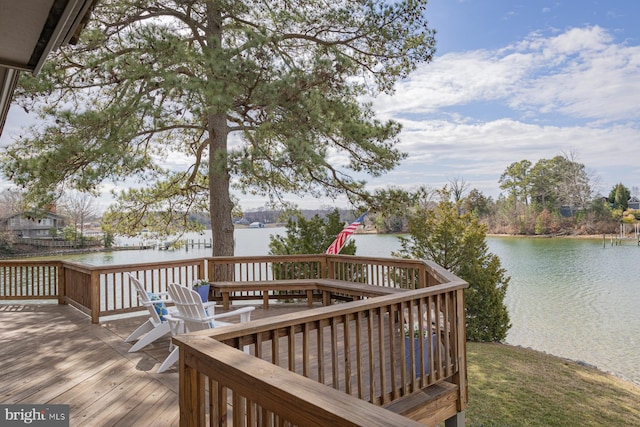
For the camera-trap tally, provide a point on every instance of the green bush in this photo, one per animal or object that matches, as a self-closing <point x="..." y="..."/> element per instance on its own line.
<point x="310" y="236"/>
<point x="306" y="237"/>
<point x="457" y="242"/>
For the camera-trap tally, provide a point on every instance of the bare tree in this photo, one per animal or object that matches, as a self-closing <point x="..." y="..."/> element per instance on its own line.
<point x="458" y="188"/>
<point x="575" y="187"/>
<point x="78" y="208"/>
<point x="10" y="202"/>
<point x="426" y="197"/>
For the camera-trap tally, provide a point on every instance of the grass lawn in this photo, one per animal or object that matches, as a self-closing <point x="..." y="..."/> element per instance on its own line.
<point x="514" y="386"/>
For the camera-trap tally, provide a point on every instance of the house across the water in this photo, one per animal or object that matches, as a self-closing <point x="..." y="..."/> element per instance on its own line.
<point x="32" y="225"/>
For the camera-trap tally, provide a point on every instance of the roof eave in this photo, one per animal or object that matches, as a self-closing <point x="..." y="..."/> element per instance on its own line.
<point x="69" y="24"/>
<point x="62" y="27"/>
<point x="8" y="82"/>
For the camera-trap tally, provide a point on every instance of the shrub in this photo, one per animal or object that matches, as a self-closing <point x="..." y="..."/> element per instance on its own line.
<point x="458" y="243"/>
<point x="307" y="237"/>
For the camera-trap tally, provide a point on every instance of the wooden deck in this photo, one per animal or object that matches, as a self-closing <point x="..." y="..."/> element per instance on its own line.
<point x="53" y="354"/>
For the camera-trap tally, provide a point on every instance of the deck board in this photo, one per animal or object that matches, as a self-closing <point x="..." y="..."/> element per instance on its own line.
<point x="52" y="354"/>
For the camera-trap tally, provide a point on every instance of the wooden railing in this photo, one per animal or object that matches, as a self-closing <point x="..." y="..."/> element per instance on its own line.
<point x="30" y="280"/>
<point x="96" y="290"/>
<point x="387" y="272"/>
<point x="384" y="272"/>
<point x="336" y="365"/>
<point x="357" y="348"/>
<point x="399" y="273"/>
<point x="104" y="290"/>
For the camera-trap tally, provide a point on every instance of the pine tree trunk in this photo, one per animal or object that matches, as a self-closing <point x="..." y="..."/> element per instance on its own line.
<point x="220" y="205"/>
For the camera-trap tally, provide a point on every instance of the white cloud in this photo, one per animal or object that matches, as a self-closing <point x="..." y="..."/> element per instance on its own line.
<point x="454" y="79"/>
<point x="581" y="74"/>
<point x="471" y="114"/>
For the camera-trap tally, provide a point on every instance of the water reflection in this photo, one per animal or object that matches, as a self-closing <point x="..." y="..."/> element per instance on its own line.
<point x="574" y="298"/>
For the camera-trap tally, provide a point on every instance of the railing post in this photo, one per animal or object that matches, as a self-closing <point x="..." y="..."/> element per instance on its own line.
<point x="202" y="270"/>
<point x="423" y="276"/>
<point x="190" y="394"/>
<point x="62" y="286"/>
<point x="95" y="297"/>
<point x="460" y="376"/>
<point x="328" y="269"/>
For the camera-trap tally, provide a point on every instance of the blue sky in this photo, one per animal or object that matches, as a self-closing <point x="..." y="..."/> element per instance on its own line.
<point x="513" y="80"/>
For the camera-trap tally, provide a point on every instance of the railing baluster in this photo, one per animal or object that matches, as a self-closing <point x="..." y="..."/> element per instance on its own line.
<point x="321" y="356"/>
<point x="333" y="322"/>
<point x="359" y="355"/>
<point x="347" y="352"/>
<point x="305" y="350"/>
<point x="275" y="347"/>
<point x="291" y="337"/>
<point x="370" y="341"/>
<point x="391" y="333"/>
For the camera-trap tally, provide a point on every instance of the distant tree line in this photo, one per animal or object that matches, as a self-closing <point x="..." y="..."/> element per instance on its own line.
<point x="267" y="215"/>
<point x="550" y="197"/>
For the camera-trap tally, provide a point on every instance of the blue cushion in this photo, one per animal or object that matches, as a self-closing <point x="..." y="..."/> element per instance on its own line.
<point x="161" y="308"/>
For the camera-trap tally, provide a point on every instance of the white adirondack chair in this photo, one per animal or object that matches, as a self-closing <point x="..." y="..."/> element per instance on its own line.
<point x="193" y="316"/>
<point x="156" y="326"/>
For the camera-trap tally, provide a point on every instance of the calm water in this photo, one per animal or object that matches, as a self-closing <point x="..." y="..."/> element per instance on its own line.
<point x="567" y="297"/>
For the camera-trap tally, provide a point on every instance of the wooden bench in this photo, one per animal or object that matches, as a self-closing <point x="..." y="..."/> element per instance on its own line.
<point x="352" y="289"/>
<point x="429" y="405"/>
<point x="328" y="287"/>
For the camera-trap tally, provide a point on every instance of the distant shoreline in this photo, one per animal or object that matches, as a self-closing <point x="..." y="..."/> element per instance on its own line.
<point x="607" y="237"/>
<point x="528" y="236"/>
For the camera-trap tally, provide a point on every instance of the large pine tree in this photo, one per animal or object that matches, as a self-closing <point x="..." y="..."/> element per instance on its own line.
<point x="264" y="96"/>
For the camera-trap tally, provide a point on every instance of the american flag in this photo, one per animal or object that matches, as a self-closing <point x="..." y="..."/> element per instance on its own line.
<point x="343" y="236"/>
